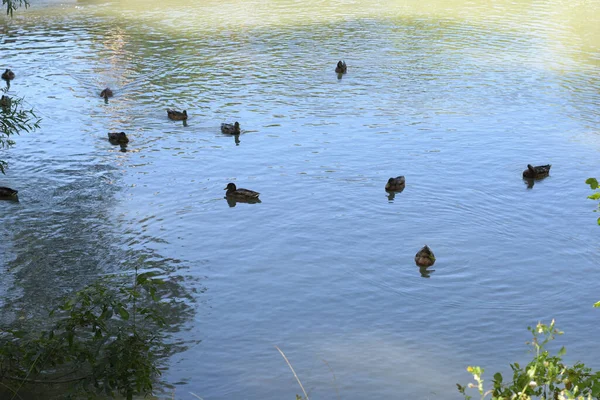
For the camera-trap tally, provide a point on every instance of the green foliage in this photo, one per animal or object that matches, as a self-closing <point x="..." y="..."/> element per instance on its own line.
<point x="105" y="341"/>
<point x="544" y="377"/>
<point x="13" y="120"/>
<point x="12" y="5"/>
<point x="593" y="182"/>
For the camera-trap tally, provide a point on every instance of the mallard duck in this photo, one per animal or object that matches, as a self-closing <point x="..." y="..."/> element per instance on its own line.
<point x="539" y="172"/>
<point x="8" y="193"/>
<point x="117" y="137"/>
<point x="177" y="115"/>
<point x="8" y="75"/>
<point x="106" y="93"/>
<point x="396" y="184"/>
<point x="240" y="194"/>
<point x="425" y="257"/>
<point x="231" y="129"/>
<point x="341" y="67"/>
<point x="5" y="103"/>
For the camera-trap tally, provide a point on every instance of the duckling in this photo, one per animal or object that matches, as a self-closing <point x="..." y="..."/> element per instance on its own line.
<point x="240" y="194"/>
<point x="5" y="103"/>
<point x="8" y="75"/>
<point x="341" y="67"/>
<point x="231" y="129"/>
<point x="106" y="93"/>
<point x="425" y="257"/>
<point x="8" y="193"/>
<point x="177" y="115"/>
<point x="539" y="172"/>
<point x="118" y="138"/>
<point x="396" y="184"/>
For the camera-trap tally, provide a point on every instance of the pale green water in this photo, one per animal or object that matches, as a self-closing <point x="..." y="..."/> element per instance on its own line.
<point x="458" y="97"/>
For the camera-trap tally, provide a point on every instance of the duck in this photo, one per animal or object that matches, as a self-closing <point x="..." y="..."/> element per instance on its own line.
<point x="117" y="138"/>
<point x="5" y="103"/>
<point x="395" y="184"/>
<point x="539" y="172"/>
<point x="425" y="257"/>
<point x="231" y="129"/>
<point x="341" y="67"/>
<point x="106" y="93"/>
<point x="240" y="194"/>
<point x="8" y="75"/>
<point x="7" y="193"/>
<point x="177" y="115"/>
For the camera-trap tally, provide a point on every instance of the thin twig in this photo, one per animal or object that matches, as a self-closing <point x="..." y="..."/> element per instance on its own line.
<point x="337" y="389"/>
<point x="294" y="372"/>
<point x="196" y="396"/>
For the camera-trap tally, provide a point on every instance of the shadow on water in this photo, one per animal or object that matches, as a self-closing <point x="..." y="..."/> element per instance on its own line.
<point x="63" y="237"/>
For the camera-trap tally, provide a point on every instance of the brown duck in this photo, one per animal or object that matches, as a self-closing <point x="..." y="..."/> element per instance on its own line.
<point x="240" y="194"/>
<point x="425" y="257"/>
<point x="539" y="172"/>
<point x="118" y="138"/>
<point x="341" y="67"/>
<point x="231" y="129"/>
<point x="396" y="184"/>
<point x="7" y="193"/>
<point x="177" y="115"/>
<point x="8" y="75"/>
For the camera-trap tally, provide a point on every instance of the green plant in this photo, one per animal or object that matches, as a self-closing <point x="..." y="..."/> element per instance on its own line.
<point x="593" y="182"/>
<point x="544" y="377"/>
<point x="105" y="341"/>
<point x="12" y="5"/>
<point x="13" y="120"/>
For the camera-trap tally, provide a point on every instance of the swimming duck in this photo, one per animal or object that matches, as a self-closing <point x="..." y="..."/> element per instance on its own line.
<point x="425" y="257"/>
<point x="5" y="103"/>
<point x="106" y="93"/>
<point x="240" y="194"/>
<point x="395" y="184"/>
<point x="7" y="193"/>
<point x="341" y="67"/>
<point x="117" y="138"/>
<point x="8" y="75"/>
<point x="177" y="115"/>
<point x="539" y="172"/>
<point x="231" y="129"/>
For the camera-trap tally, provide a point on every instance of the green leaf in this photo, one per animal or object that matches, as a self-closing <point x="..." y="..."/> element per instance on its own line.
<point x="498" y="377"/>
<point x="593" y="182"/>
<point x="594" y="196"/>
<point x="597" y="304"/>
<point x="122" y="312"/>
<point x="562" y="351"/>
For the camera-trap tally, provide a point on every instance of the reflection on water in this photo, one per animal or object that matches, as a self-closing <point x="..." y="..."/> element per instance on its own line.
<point x="456" y="96"/>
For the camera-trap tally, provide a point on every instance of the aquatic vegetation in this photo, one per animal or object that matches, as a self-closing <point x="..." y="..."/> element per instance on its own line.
<point x="593" y="182"/>
<point x="106" y="338"/>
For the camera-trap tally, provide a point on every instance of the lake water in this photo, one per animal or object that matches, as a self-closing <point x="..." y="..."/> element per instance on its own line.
<point x="457" y="96"/>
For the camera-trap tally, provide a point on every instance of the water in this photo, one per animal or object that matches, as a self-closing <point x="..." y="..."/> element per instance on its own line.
<point x="456" y="97"/>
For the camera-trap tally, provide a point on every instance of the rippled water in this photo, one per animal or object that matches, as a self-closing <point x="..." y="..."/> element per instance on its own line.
<point x="456" y="97"/>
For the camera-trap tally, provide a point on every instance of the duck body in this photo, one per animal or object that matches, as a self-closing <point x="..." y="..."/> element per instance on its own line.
<point x="106" y="93"/>
<point x="177" y="115"/>
<point x="7" y="193"/>
<point x="240" y="194"/>
<point x="231" y="129"/>
<point x="8" y="75"/>
<point x="118" y="138"/>
<point x="425" y="257"/>
<point x="5" y="103"/>
<point x="341" y="67"/>
<point x="539" y="172"/>
<point x="396" y="184"/>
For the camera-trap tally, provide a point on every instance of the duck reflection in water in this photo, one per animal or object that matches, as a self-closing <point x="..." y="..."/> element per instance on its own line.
<point x="426" y="273"/>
